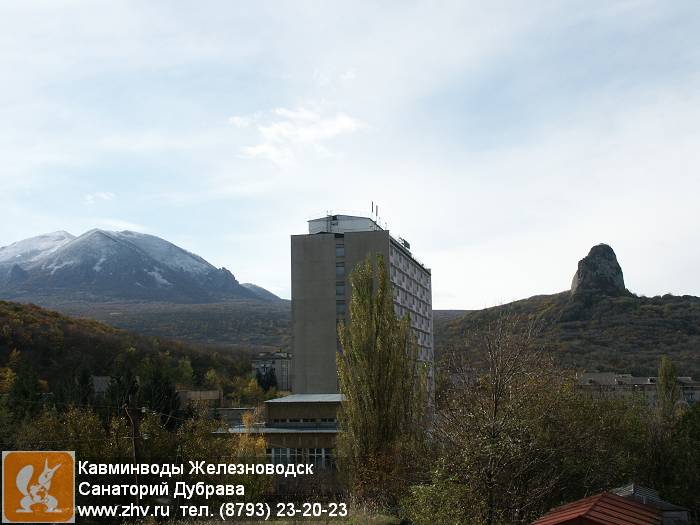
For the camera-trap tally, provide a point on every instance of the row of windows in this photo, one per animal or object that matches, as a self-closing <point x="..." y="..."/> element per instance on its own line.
<point x="418" y="320"/>
<point x="305" y="420"/>
<point x="410" y="284"/>
<point x="409" y="300"/>
<point x="340" y="284"/>
<point x="321" y="457"/>
<point x="409" y="266"/>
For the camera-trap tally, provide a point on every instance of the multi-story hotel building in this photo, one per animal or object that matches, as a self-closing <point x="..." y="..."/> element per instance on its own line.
<point x="322" y="262"/>
<point x="303" y="427"/>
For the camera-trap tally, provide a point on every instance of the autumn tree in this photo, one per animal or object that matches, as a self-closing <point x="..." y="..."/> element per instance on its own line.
<point x="657" y="469"/>
<point x="515" y="437"/>
<point x="197" y="440"/>
<point x="384" y="386"/>
<point x="24" y="397"/>
<point x="77" y="428"/>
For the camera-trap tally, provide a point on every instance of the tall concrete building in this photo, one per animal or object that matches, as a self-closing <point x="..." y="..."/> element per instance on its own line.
<point x="322" y="262"/>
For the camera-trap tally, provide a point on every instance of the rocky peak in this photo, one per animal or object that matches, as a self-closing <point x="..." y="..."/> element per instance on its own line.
<point x="599" y="273"/>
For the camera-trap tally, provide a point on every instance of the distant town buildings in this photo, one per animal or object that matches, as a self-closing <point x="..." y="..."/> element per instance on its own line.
<point x="625" y="385"/>
<point x="322" y="262"/>
<point x="100" y="385"/>
<point x="277" y="362"/>
<point x="204" y="398"/>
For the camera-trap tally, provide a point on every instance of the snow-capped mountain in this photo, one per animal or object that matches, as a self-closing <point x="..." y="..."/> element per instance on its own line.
<point x="104" y="266"/>
<point x="261" y="292"/>
<point x="25" y="251"/>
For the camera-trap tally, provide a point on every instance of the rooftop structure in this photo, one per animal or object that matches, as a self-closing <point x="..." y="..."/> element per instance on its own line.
<point x="602" y="509"/>
<point x="342" y="224"/>
<point x="671" y="514"/>
<point x="308" y="398"/>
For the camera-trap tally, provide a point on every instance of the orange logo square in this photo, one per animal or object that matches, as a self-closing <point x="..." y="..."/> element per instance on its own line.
<point x="38" y="487"/>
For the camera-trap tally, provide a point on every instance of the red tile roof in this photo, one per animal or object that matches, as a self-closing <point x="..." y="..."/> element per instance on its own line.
<point x="604" y="508"/>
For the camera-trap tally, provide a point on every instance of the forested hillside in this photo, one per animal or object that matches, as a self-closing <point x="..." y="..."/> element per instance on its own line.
<point x="619" y="333"/>
<point x="261" y="325"/>
<point x="58" y="349"/>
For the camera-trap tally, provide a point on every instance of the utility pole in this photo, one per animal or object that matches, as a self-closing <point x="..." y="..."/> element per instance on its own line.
<point x="133" y="446"/>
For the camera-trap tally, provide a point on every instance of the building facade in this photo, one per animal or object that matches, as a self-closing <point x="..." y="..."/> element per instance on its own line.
<point x="322" y="262"/>
<point x="303" y="427"/>
<point x="611" y="384"/>
<point x="300" y="428"/>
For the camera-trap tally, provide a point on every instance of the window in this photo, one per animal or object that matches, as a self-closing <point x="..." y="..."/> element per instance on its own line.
<point x="340" y="251"/>
<point x="340" y="290"/>
<point x="340" y="269"/>
<point x="321" y="457"/>
<point x="316" y="456"/>
<point x="280" y="455"/>
<point x="296" y="455"/>
<point x="340" y="307"/>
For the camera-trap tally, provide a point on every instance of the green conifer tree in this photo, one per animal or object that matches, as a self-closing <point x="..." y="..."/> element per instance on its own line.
<point x="668" y="392"/>
<point x="382" y="419"/>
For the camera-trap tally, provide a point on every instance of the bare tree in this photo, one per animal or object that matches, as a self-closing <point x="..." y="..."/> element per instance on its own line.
<point x="492" y="420"/>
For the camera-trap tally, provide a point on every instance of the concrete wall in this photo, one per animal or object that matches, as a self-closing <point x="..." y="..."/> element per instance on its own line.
<point x="300" y="411"/>
<point x="317" y="303"/>
<point x="316" y="300"/>
<point x="313" y="314"/>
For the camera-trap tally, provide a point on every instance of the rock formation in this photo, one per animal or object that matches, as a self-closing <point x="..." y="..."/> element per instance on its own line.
<point x="599" y="274"/>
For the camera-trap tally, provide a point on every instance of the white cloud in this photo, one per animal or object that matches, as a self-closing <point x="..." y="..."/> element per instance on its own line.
<point x="240" y="122"/>
<point x="282" y="156"/>
<point x="118" y="224"/>
<point x="299" y="131"/>
<point x="92" y="198"/>
<point x="348" y="75"/>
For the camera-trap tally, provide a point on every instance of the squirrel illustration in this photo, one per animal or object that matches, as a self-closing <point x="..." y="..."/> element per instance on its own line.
<point x="38" y="492"/>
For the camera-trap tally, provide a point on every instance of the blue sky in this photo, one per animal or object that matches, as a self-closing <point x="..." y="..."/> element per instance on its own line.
<point x="501" y="139"/>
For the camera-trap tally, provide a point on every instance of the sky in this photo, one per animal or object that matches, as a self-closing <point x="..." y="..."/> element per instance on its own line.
<point x="502" y="139"/>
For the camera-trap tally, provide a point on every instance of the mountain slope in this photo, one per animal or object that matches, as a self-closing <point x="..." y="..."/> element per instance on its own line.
<point x="27" y="250"/>
<point x="103" y="266"/>
<point x="258" y="325"/>
<point x="598" y="324"/>
<point x="57" y="347"/>
<point x="261" y="292"/>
